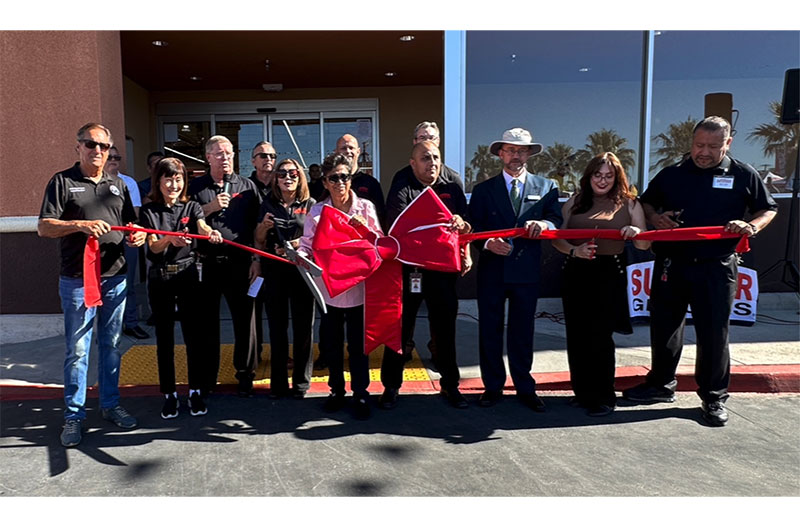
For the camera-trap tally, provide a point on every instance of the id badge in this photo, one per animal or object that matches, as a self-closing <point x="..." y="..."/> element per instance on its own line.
<point x="416" y="282"/>
<point x="722" y="182"/>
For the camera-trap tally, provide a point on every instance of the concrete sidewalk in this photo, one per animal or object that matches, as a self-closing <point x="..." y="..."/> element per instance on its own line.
<point x="765" y="357"/>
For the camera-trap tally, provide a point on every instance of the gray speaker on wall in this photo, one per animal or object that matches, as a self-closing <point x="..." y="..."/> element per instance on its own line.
<point x="791" y="97"/>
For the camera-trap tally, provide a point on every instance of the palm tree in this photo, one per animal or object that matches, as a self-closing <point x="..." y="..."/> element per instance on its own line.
<point x="675" y="143"/>
<point x="778" y="139"/>
<point x="485" y="162"/>
<point x="605" y="140"/>
<point x="556" y="162"/>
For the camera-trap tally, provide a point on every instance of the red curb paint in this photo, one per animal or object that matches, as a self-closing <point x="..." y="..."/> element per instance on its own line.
<point x="744" y="378"/>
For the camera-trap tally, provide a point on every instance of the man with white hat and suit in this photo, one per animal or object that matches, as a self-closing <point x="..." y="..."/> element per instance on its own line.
<point x="509" y="269"/>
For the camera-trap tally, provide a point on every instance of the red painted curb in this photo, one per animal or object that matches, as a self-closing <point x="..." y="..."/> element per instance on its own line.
<point x="744" y="378"/>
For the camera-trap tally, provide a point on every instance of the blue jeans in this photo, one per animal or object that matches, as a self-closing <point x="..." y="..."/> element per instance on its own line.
<point x="78" y="325"/>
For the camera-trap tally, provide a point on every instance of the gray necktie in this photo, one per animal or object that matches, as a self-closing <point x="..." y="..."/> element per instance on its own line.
<point x="516" y="199"/>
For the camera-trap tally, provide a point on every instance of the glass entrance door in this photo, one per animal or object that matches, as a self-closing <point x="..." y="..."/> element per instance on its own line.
<point x="244" y="132"/>
<point x="297" y="136"/>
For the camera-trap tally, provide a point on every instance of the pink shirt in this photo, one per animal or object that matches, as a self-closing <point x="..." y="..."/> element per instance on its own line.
<point x="355" y="295"/>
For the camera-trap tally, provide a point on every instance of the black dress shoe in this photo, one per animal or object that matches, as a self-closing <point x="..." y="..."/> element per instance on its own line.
<point x="599" y="410"/>
<point x="489" y="398"/>
<point x="297" y="394"/>
<point x="532" y="401"/>
<point x="714" y="413"/>
<point x="388" y="399"/>
<point x="136" y="332"/>
<point x="361" y="408"/>
<point x="455" y="398"/>
<point x="333" y="402"/>
<point x="650" y="393"/>
<point x="277" y="393"/>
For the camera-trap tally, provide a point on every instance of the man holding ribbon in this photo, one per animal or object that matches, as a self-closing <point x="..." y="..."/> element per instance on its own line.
<point x="509" y="269"/>
<point x="81" y="202"/>
<point x="436" y="288"/>
<point x="230" y="204"/>
<point x="707" y="189"/>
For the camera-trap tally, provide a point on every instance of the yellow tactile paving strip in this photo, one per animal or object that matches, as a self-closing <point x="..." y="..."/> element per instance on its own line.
<point x="139" y="367"/>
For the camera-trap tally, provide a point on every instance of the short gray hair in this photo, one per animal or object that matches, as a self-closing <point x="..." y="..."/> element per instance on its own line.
<point x="713" y="124"/>
<point x="260" y="143"/>
<point x="426" y="124"/>
<point x="213" y="140"/>
<point x="91" y="126"/>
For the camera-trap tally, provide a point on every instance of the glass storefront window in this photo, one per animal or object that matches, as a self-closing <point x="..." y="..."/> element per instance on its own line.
<point x="186" y="141"/>
<point x="244" y="135"/>
<point x="361" y="129"/>
<point x="746" y="69"/>
<point x="577" y="92"/>
<point x="304" y="137"/>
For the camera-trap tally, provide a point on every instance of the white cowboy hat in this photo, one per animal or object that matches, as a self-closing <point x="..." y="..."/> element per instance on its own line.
<point x="519" y="137"/>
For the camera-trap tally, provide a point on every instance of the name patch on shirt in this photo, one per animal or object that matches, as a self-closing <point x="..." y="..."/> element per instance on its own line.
<point x="722" y="182"/>
<point x="77" y="189"/>
<point x="114" y="190"/>
<point x="533" y="198"/>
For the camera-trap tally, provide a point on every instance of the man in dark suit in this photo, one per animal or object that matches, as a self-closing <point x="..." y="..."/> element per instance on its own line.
<point x="509" y="269"/>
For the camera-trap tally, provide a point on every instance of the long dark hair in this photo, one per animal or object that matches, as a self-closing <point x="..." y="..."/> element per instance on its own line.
<point x="302" y="183"/>
<point x="619" y="192"/>
<point x="168" y="167"/>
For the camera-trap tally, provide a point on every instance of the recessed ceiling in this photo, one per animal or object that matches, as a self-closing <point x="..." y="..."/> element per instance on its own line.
<point x="227" y="60"/>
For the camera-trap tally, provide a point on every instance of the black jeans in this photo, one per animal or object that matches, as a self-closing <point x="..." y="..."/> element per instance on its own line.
<point x="335" y="321"/>
<point x="595" y="306"/>
<point x="164" y="294"/>
<point x="439" y="294"/>
<point x="709" y="287"/>
<point x="285" y="290"/>
<point x="229" y="278"/>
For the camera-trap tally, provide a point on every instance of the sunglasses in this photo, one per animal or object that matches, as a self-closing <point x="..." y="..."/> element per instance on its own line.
<point x="336" y="178"/>
<point x="91" y="145"/>
<point x="266" y="155"/>
<point x="114" y="157"/>
<point x="283" y="173"/>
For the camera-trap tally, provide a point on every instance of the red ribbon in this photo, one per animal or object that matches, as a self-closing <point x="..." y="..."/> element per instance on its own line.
<point x="91" y="260"/>
<point x="350" y="253"/>
<point x="662" y="235"/>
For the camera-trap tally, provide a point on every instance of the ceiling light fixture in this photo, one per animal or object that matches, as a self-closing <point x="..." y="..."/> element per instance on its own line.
<point x="407" y="38"/>
<point x="160" y="43"/>
<point x="266" y="64"/>
<point x="195" y="78"/>
<point x="390" y="74"/>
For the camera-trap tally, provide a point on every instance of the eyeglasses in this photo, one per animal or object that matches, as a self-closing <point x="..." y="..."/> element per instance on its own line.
<point x="223" y="155"/>
<point x="426" y="137"/>
<point x="598" y="176"/>
<point x="91" y="145"/>
<point x="515" y="152"/>
<point x="115" y="157"/>
<point x="283" y="173"/>
<point x="266" y="155"/>
<point x="340" y="177"/>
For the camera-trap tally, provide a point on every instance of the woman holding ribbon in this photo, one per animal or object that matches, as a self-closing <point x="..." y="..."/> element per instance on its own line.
<point x="595" y="280"/>
<point x="347" y="308"/>
<point x="173" y="279"/>
<point x="283" y="214"/>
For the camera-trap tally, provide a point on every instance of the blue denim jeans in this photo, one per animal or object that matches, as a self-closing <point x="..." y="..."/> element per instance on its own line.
<point x="78" y="325"/>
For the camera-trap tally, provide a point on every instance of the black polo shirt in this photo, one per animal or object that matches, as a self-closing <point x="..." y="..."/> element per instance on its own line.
<point x="707" y="197"/>
<point x="237" y="222"/>
<point x="290" y="222"/>
<point x="160" y="216"/>
<point x="402" y="177"/>
<point x="367" y="187"/>
<point x="72" y="196"/>
<point x="263" y="190"/>
<point x="401" y="195"/>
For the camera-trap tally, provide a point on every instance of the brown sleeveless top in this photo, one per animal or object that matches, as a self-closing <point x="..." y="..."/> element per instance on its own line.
<point x="604" y="214"/>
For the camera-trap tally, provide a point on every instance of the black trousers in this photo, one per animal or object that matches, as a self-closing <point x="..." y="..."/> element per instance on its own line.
<point x="439" y="294"/>
<point x="522" y="299"/>
<point x="595" y="306"/>
<point x="708" y="286"/>
<point x="164" y="294"/>
<point x="229" y="278"/>
<point x="335" y="321"/>
<point x="285" y="292"/>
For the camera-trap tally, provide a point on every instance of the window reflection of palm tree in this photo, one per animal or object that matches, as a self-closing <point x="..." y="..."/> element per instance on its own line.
<point x="675" y="143"/>
<point x="556" y="162"/>
<point x="605" y="140"/>
<point x="778" y="139"/>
